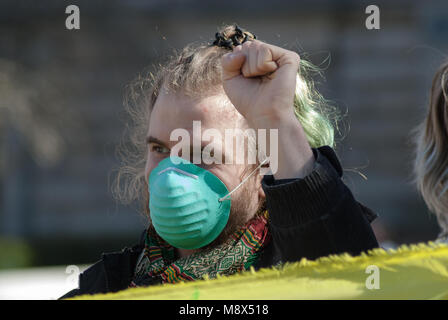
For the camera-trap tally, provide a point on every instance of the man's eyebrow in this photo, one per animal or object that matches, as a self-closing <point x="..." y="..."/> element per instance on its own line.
<point x="151" y="139"/>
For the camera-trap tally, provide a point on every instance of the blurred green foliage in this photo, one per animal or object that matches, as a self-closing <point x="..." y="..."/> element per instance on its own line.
<point x="36" y="252"/>
<point x="15" y="253"/>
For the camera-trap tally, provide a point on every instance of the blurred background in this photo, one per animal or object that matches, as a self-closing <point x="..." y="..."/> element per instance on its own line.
<point x="61" y="108"/>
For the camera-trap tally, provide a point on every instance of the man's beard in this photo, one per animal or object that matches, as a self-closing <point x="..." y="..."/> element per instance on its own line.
<point x="241" y="211"/>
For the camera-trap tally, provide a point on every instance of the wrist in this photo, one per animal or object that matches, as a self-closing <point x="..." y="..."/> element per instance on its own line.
<point x="294" y="157"/>
<point x="291" y="157"/>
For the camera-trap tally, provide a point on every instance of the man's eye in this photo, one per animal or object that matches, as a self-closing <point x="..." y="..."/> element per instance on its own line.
<point x="159" y="149"/>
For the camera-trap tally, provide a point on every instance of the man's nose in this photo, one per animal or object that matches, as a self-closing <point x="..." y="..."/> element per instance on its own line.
<point x="151" y="165"/>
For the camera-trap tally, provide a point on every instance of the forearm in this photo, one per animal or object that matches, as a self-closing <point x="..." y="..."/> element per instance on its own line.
<point x="290" y="154"/>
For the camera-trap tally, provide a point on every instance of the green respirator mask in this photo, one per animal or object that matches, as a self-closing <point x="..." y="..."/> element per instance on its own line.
<point x="189" y="206"/>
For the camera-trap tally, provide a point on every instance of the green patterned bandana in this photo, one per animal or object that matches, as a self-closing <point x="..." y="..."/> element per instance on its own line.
<point x="157" y="263"/>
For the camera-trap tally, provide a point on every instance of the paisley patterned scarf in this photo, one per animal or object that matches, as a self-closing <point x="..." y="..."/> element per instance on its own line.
<point x="158" y="264"/>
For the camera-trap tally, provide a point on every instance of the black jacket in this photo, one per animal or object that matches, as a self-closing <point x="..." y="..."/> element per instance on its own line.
<point x="308" y="218"/>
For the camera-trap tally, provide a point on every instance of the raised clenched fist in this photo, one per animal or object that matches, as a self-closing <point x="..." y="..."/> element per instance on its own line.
<point x="260" y="81"/>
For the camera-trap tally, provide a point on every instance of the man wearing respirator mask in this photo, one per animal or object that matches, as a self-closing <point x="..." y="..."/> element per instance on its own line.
<point x="222" y="217"/>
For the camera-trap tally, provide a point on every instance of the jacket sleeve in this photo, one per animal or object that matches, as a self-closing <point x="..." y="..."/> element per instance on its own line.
<point x="91" y="281"/>
<point x="112" y="273"/>
<point x="317" y="215"/>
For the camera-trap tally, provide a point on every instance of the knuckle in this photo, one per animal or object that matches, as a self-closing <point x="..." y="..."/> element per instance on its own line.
<point x="246" y="44"/>
<point x="261" y="63"/>
<point x="294" y="56"/>
<point x="245" y="70"/>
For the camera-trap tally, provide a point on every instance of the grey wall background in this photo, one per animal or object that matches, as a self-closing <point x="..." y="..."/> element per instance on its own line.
<point x="62" y="94"/>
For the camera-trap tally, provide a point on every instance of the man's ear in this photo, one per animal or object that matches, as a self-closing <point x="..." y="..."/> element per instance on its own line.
<point x="261" y="194"/>
<point x="263" y="170"/>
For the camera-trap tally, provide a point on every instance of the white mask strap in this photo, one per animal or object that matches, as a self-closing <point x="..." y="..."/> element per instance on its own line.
<point x="227" y="197"/>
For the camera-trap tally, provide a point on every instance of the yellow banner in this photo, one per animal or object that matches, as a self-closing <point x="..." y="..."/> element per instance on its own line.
<point x="410" y="272"/>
